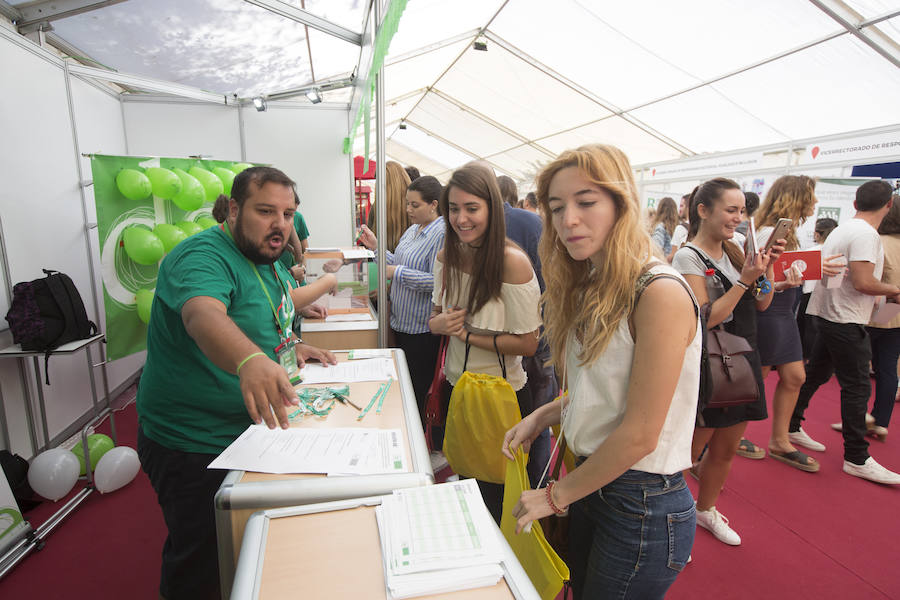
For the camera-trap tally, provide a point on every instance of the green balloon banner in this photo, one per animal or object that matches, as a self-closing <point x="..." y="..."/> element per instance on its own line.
<point x="142" y="245"/>
<point x="227" y="177"/>
<point x="98" y="445"/>
<point x="147" y="206"/>
<point x="144" y="300"/>
<point x="166" y="184"/>
<point x="133" y="184"/>
<point x="192" y="192"/>
<point x="169" y="235"/>
<point x="212" y="185"/>
<point x="189" y="227"/>
<point x="206" y="222"/>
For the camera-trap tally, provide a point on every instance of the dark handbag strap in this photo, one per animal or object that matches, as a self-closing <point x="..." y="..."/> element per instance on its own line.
<point x="501" y="358"/>
<point x="726" y="283"/>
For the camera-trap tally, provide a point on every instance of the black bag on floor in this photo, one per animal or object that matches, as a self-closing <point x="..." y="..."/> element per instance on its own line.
<point x="15" y="468"/>
<point x="47" y="313"/>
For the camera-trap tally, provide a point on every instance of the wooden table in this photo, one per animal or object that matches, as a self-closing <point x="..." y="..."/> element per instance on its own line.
<point x="332" y="550"/>
<point x="243" y="493"/>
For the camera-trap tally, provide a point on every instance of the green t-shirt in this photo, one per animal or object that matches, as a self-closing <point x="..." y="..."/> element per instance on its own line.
<point x="184" y="401"/>
<point x="287" y="258"/>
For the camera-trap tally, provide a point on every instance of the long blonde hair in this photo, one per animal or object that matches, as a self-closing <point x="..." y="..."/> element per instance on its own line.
<point x="790" y="197"/>
<point x="396" y="181"/>
<point x="592" y="300"/>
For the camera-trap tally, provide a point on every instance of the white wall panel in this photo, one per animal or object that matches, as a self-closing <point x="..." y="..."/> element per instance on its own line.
<point x="42" y="218"/>
<point x="306" y="143"/>
<point x="179" y="129"/>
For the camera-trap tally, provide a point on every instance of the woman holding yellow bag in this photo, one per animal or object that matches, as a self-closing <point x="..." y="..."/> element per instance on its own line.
<point x="486" y="300"/>
<point x="626" y="327"/>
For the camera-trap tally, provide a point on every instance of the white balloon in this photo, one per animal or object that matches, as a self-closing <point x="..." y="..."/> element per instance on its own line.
<point x="116" y="468"/>
<point x="53" y="473"/>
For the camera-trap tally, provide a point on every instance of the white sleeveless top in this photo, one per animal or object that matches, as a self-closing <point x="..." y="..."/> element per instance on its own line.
<point x="598" y="394"/>
<point x="515" y="311"/>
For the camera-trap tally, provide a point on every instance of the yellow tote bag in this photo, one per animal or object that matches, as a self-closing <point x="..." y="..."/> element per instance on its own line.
<point x="545" y="568"/>
<point x="482" y="409"/>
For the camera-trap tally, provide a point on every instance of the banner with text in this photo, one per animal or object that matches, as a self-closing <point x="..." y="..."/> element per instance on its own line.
<point x="855" y="150"/>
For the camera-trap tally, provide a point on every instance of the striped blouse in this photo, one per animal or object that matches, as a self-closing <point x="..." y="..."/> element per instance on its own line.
<point x="413" y="281"/>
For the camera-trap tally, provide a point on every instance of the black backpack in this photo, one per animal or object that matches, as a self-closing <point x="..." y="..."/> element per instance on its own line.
<point x="47" y="313"/>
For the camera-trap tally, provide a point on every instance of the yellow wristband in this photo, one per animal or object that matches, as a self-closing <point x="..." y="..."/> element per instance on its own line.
<point x="241" y="364"/>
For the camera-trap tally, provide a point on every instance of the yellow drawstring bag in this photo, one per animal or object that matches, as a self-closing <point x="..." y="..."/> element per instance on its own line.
<point x="547" y="571"/>
<point x="482" y="409"/>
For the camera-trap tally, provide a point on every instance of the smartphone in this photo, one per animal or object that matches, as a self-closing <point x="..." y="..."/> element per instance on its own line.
<point x="782" y="227"/>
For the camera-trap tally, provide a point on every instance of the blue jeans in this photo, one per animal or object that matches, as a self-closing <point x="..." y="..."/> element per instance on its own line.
<point x="631" y="538"/>
<point x="885" y="351"/>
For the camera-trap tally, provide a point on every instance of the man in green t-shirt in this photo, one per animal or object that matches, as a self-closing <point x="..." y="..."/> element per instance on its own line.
<point x="218" y="346"/>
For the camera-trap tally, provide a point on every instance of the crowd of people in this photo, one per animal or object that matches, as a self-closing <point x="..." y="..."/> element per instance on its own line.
<point x="569" y="289"/>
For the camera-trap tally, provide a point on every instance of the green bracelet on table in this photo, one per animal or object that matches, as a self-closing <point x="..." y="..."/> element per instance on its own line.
<point x="241" y="364"/>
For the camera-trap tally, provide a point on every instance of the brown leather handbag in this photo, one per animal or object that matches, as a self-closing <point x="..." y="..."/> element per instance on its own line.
<point x="726" y="373"/>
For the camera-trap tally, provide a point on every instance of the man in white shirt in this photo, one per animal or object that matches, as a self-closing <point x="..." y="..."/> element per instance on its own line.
<point x="842" y="345"/>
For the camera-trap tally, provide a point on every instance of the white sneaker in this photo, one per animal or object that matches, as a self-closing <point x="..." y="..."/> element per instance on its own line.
<point x="870" y="423"/>
<point x="438" y="460"/>
<point x="872" y="471"/>
<point x="717" y="524"/>
<point x="800" y="438"/>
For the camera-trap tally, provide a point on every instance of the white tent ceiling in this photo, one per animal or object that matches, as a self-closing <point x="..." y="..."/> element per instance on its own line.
<point x="661" y="79"/>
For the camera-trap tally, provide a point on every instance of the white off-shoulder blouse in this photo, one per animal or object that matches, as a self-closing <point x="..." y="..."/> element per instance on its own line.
<point x="515" y="311"/>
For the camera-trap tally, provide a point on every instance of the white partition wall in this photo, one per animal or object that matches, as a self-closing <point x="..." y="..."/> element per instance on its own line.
<point x="180" y="128"/>
<point x="42" y="212"/>
<point x="305" y="142"/>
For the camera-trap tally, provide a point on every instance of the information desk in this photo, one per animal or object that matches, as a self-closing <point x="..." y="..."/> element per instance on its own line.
<point x="343" y="334"/>
<point x="332" y="550"/>
<point x="243" y="493"/>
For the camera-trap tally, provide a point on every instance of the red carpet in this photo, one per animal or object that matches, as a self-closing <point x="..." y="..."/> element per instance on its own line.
<point x="822" y="535"/>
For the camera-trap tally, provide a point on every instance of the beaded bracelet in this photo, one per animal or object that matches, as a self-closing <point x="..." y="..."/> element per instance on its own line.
<point x="552" y="504"/>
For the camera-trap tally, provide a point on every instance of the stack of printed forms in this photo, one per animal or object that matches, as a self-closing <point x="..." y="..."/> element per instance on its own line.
<point x="438" y="539"/>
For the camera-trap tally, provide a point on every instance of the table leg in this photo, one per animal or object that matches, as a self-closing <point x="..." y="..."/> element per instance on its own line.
<point x="40" y="391"/>
<point x="29" y="408"/>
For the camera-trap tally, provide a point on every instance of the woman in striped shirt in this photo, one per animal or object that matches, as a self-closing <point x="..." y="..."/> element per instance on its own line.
<point x="409" y="269"/>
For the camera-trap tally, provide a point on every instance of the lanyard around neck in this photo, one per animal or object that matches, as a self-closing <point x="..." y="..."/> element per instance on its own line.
<point x="278" y="325"/>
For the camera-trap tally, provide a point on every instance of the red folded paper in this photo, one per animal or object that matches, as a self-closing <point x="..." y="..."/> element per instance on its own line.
<point x="808" y="262"/>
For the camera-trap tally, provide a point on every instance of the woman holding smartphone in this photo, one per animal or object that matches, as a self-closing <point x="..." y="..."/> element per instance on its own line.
<point x="624" y="331"/>
<point x="792" y="199"/>
<point x="485" y="293"/>
<point x="719" y="273"/>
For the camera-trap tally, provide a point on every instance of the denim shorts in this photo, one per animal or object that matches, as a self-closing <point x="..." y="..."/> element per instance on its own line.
<point x="631" y="538"/>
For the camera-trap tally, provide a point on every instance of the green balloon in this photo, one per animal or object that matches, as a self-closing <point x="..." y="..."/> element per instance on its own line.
<point x="142" y="245"/>
<point x="227" y="177"/>
<point x="238" y="167"/>
<point x="189" y="227"/>
<point x="133" y="184"/>
<point x="144" y="300"/>
<point x="166" y="184"/>
<point x="169" y="235"/>
<point x="192" y="193"/>
<point x="98" y="445"/>
<point x="211" y="184"/>
<point x="206" y="222"/>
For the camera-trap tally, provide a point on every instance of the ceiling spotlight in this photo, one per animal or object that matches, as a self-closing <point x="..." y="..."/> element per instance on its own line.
<point x="480" y="45"/>
<point x="402" y="125"/>
<point x="259" y="103"/>
<point x="312" y="94"/>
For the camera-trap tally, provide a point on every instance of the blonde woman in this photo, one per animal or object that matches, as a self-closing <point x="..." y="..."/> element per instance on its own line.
<point x="623" y="327"/>
<point x="396" y="219"/>
<point x="663" y="226"/>
<point x="791" y="197"/>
